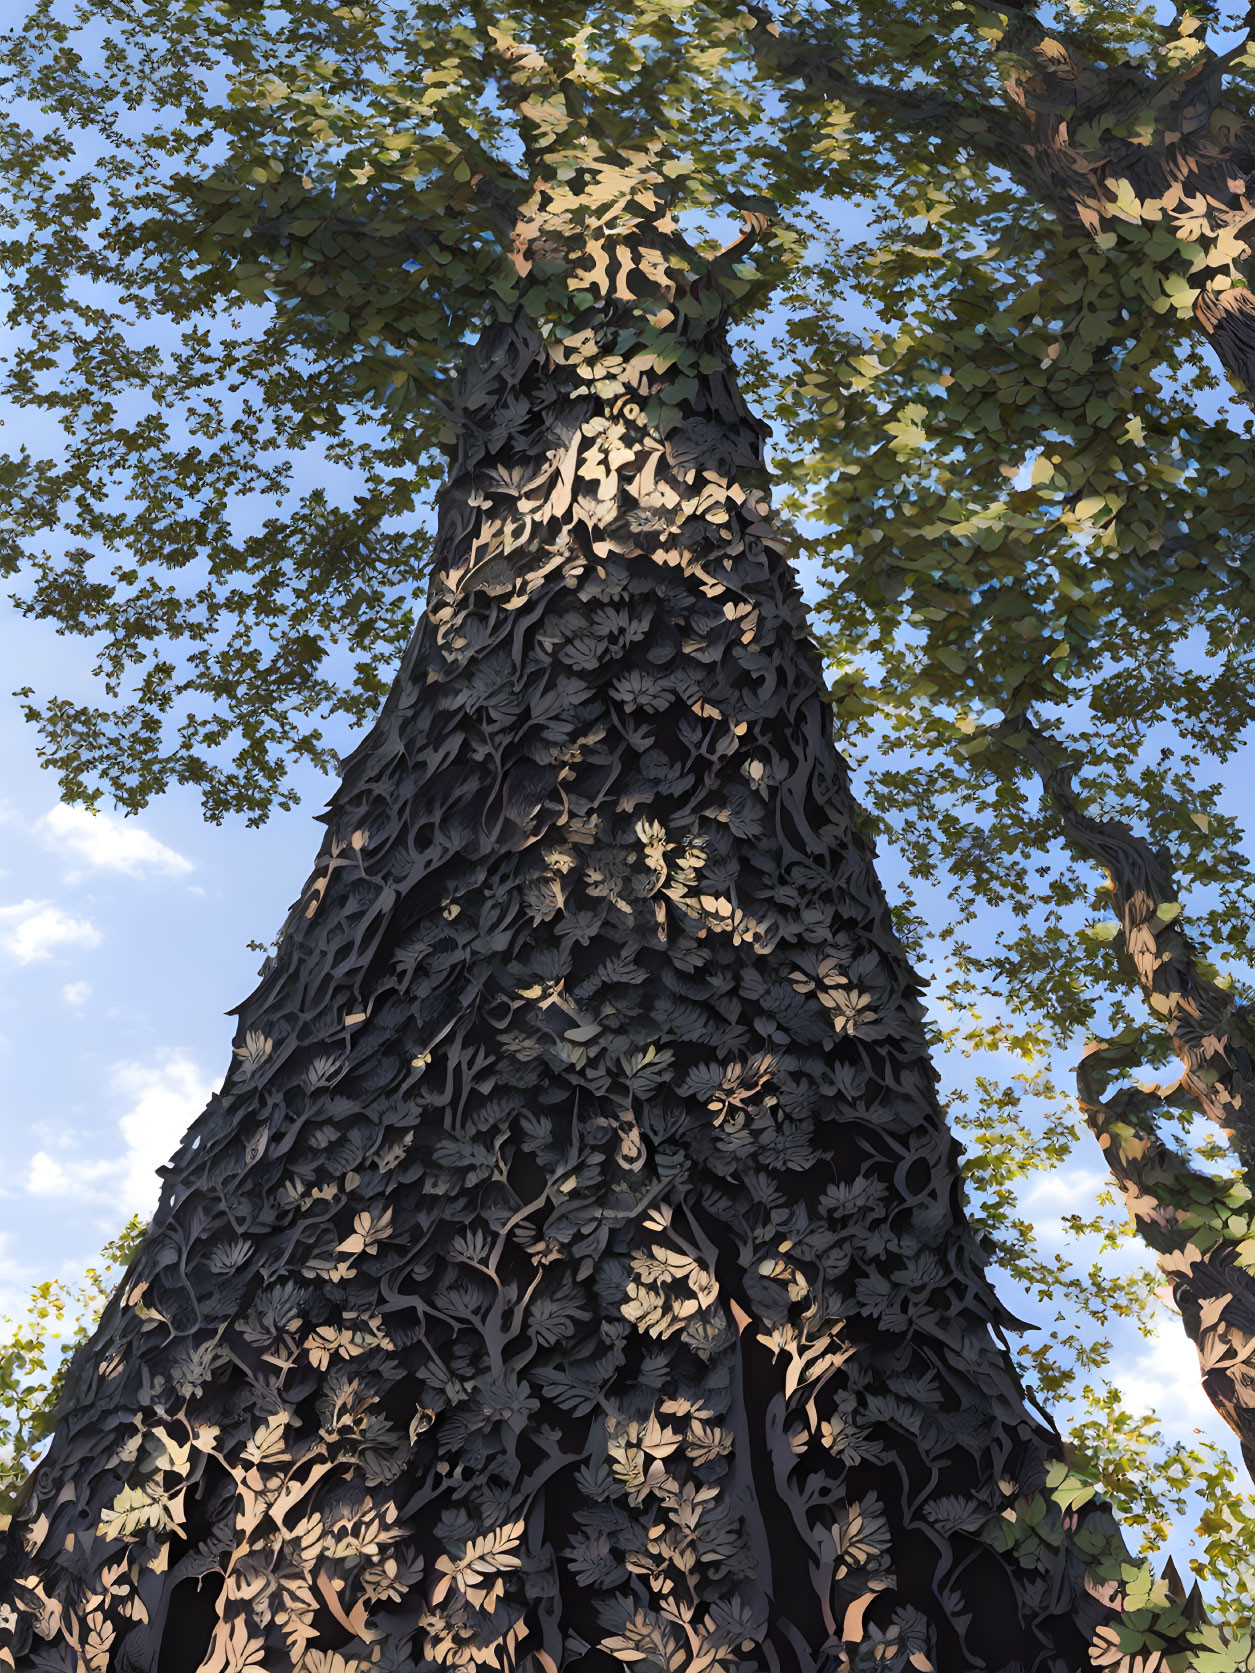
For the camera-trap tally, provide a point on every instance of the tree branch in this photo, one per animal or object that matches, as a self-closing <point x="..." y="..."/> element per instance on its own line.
<point x="1053" y="94"/>
<point x="816" y="62"/>
<point x="1176" y="1210"/>
<point x="1199" y="1225"/>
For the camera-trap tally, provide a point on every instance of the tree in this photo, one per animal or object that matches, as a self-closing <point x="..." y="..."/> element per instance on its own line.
<point x="574" y="1265"/>
<point x="260" y="229"/>
<point x="1036" y="325"/>
<point x="34" y="1357"/>
<point x="1051" y="528"/>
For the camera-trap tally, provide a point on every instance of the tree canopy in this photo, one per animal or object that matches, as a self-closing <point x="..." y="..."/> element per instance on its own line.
<point x="243" y="238"/>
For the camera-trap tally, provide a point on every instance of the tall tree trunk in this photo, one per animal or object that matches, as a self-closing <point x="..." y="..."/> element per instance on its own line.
<point x="573" y="1271"/>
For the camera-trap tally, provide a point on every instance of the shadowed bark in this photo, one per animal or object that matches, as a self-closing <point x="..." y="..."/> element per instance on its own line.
<point x="573" y="1271"/>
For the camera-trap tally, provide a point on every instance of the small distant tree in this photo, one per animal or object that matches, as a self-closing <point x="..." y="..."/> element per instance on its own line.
<point x="35" y="1351"/>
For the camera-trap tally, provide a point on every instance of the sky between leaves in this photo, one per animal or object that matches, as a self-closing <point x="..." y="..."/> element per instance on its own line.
<point x="123" y="943"/>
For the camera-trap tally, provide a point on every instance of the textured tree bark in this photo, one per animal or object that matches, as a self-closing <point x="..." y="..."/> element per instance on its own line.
<point x="1182" y="1214"/>
<point x="573" y="1270"/>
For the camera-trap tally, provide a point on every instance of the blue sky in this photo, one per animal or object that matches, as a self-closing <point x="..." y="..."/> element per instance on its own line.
<point x="123" y="943"/>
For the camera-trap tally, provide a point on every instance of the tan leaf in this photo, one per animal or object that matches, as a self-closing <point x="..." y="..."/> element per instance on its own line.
<point x="267" y="1443"/>
<point x="233" y="1648"/>
<point x="256" y="1049"/>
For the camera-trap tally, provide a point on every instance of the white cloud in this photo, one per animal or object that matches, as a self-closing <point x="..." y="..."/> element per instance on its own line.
<point x="166" y="1095"/>
<point x="1046" y="1198"/>
<point x="1164" y="1377"/>
<point x="46" y="1177"/>
<point x="1071" y="1190"/>
<point x="31" y="929"/>
<point x="167" y="1099"/>
<point x="104" y="842"/>
<point x="76" y="993"/>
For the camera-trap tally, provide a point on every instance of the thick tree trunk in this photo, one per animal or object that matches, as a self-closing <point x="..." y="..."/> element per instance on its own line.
<point x="573" y="1271"/>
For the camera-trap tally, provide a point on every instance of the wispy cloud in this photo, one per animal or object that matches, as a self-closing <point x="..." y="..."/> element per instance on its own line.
<point x="33" y="929"/>
<point x="1165" y="1376"/>
<point x="76" y="993"/>
<point x="104" y="842"/>
<point x="165" y="1095"/>
<point x="1045" y="1198"/>
<point x="47" y="1177"/>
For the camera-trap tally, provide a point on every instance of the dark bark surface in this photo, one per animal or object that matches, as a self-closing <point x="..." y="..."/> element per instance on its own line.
<point x="572" y="1272"/>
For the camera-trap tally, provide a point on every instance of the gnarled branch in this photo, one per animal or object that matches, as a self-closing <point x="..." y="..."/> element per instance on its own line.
<point x="1198" y="1225"/>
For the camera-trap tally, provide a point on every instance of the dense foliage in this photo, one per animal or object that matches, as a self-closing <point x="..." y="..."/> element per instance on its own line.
<point x="1035" y="547"/>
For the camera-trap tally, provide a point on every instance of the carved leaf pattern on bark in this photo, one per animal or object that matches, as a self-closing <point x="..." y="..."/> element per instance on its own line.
<point x="1199" y="1225"/>
<point x="573" y="1270"/>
